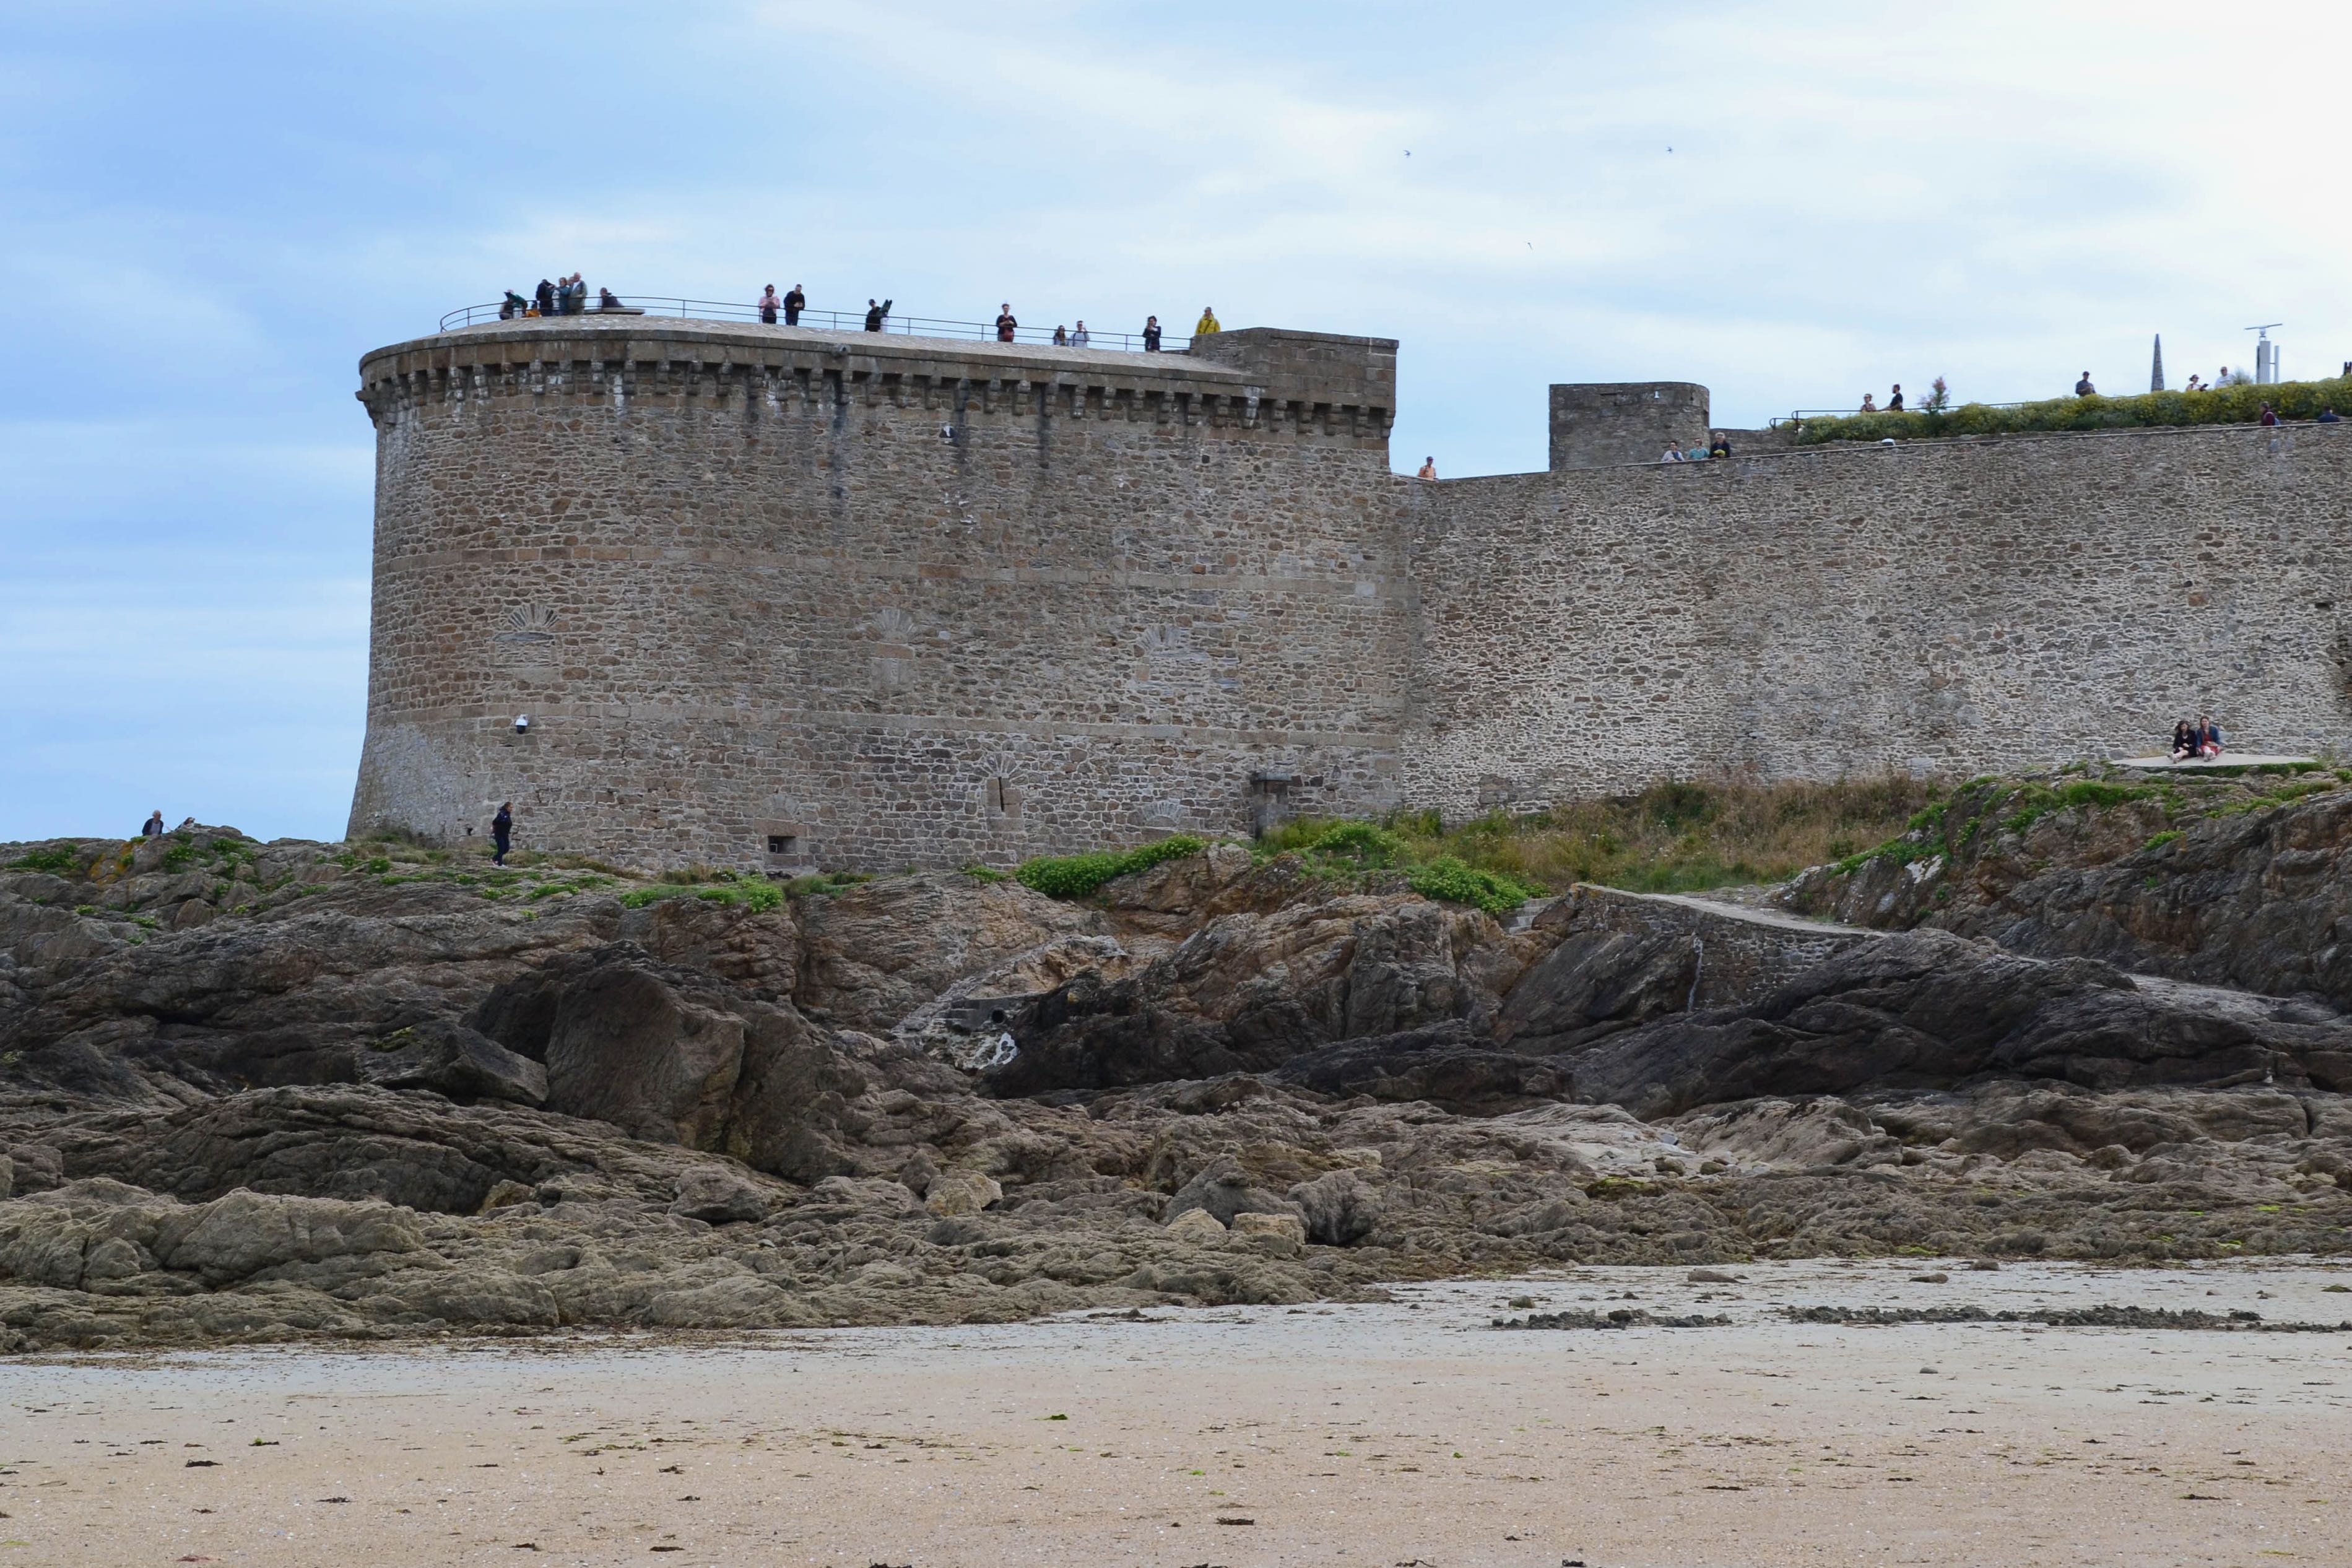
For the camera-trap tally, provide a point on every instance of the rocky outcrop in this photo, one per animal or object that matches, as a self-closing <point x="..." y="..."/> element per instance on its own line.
<point x="401" y="1098"/>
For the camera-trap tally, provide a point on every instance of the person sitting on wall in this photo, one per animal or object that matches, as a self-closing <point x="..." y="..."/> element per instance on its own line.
<point x="877" y="314"/>
<point x="1895" y="399"/>
<point x="2084" y="387"/>
<point x="1720" y="446"/>
<point x="1207" y="323"/>
<point x="2209" y="737"/>
<point x="1868" y="405"/>
<point x="1428" y="467"/>
<point x="2329" y="416"/>
<point x="515" y="306"/>
<point x="1151" y="334"/>
<point x="2184" y="741"/>
<point x="794" y="303"/>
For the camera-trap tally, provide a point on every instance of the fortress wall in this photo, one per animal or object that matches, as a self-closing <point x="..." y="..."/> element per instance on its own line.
<point x="885" y="600"/>
<point x="1949" y="606"/>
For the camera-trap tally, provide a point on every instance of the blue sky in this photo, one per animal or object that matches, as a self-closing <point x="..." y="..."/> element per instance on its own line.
<point x="211" y="212"/>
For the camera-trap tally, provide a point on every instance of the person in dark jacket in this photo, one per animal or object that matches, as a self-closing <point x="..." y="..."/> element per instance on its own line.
<point x="545" y="298"/>
<point x="794" y="303"/>
<point x="152" y="828"/>
<point x="1151" y="334"/>
<point x="2185" y="741"/>
<point x="501" y="833"/>
<point x="1005" y="324"/>
<point x="877" y="314"/>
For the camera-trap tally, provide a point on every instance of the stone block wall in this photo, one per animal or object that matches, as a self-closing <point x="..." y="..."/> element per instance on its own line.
<point x="775" y="599"/>
<point x="1602" y="424"/>
<point x="1950" y="607"/>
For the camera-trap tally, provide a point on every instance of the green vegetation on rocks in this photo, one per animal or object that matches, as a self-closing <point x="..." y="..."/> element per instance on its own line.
<point x="1076" y="876"/>
<point x="2221" y="405"/>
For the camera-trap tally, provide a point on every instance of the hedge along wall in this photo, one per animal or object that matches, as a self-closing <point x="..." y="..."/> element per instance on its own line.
<point x="2225" y="405"/>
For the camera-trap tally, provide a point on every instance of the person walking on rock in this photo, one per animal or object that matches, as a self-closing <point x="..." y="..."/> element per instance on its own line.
<point x="501" y="833"/>
<point x="1005" y="324"/>
<point x="769" y="306"/>
<point x="1207" y="324"/>
<point x="794" y="303"/>
<point x="1151" y="334"/>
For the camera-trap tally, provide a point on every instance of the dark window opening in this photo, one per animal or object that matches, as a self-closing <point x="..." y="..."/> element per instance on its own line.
<point x="781" y="844"/>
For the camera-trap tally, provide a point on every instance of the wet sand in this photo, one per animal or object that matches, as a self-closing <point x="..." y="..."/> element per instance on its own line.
<point x="1360" y="1435"/>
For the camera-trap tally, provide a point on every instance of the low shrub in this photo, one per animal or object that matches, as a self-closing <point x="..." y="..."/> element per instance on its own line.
<point x="1076" y="876"/>
<point x="2219" y="405"/>
<point x="57" y="860"/>
<point x="1450" y="881"/>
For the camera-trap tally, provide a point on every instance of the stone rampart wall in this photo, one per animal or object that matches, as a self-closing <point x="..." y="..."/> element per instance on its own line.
<point x="875" y="600"/>
<point x="1950" y="606"/>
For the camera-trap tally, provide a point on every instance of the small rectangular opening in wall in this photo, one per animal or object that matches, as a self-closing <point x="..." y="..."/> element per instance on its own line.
<point x="783" y="843"/>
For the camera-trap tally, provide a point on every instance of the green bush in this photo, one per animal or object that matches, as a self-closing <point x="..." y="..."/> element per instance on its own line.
<point x="1450" y="881"/>
<point x="1076" y="876"/>
<point x="1358" y="846"/>
<point x="56" y="861"/>
<point x="2221" y="405"/>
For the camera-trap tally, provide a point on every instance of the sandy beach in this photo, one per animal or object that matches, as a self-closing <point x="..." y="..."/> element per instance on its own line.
<point x="1386" y="1434"/>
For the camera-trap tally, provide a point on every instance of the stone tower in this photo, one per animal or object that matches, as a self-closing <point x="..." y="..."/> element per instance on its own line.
<point x="1601" y="424"/>
<point x="774" y="598"/>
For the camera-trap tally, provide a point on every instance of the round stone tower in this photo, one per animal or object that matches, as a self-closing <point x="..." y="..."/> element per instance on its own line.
<point x="771" y="598"/>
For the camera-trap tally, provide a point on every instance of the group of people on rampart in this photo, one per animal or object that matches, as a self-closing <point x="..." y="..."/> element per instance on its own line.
<point x="569" y="297"/>
<point x="1718" y="446"/>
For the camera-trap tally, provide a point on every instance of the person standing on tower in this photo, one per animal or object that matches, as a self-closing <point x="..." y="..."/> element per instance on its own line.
<point x="1207" y="324"/>
<point x="1079" y="338"/>
<point x="794" y="303"/>
<point x="769" y="306"/>
<point x="877" y="314"/>
<point x="1151" y="334"/>
<point x="2084" y="387"/>
<point x="1895" y="399"/>
<point x="501" y="833"/>
<point x="1005" y="324"/>
<point x="545" y="298"/>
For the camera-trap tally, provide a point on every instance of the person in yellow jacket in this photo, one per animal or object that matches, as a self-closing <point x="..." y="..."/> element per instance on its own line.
<point x="1207" y="323"/>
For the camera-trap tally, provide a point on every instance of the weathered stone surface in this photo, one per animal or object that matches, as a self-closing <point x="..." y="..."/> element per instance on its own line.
<point x="877" y="952"/>
<point x="962" y="1192"/>
<point x="445" y="1056"/>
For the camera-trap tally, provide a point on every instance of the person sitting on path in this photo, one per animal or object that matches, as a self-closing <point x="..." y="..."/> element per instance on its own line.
<point x="1078" y="339"/>
<point x="152" y="828"/>
<point x="501" y="833"/>
<point x="877" y="314"/>
<point x="1207" y="324"/>
<point x="1006" y="323"/>
<point x="1151" y="334"/>
<point x="1428" y="468"/>
<point x="769" y="306"/>
<point x="794" y="303"/>
<point x="2084" y="387"/>
<point x="2184" y="741"/>
<point x="2209" y="737"/>
<point x="1895" y="399"/>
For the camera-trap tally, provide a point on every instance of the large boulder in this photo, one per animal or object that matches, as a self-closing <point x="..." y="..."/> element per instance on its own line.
<point x="874" y="953"/>
<point x="444" y="1055"/>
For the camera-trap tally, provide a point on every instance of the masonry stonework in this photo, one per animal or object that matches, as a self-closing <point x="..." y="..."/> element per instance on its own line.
<point x="1603" y="424"/>
<point x="776" y="599"/>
